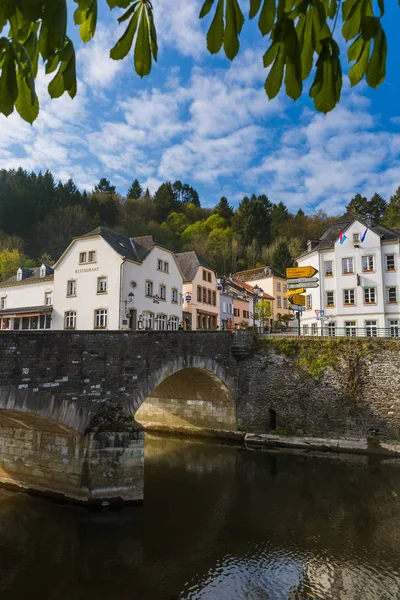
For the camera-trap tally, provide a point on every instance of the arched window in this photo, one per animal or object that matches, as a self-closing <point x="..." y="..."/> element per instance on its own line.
<point x="161" y="322"/>
<point x="271" y="420"/>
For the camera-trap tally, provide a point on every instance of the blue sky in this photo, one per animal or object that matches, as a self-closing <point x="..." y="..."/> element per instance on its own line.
<point x="208" y="122"/>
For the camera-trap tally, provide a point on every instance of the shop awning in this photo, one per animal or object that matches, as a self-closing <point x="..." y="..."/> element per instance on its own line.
<point x="204" y="312"/>
<point x="26" y="311"/>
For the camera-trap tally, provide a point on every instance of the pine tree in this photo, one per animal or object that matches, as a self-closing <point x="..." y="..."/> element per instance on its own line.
<point x="135" y="191"/>
<point x="358" y="204"/>
<point x="392" y="213"/>
<point x="165" y="201"/>
<point x="104" y="187"/>
<point x="224" y="209"/>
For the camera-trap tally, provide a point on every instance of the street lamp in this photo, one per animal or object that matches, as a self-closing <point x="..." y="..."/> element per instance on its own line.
<point x="129" y="300"/>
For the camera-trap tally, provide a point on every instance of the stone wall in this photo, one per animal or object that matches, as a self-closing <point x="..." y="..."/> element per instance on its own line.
<point x="334" y="388"/>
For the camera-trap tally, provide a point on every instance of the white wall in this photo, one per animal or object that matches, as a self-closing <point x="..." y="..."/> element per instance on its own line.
<point x="379" y="279"/>
<point x="149" y="271"/>
<point x="26" y="294"/>
<point x="87" y="300"/>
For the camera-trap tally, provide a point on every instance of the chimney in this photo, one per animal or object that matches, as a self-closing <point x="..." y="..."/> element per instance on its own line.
<point x="368" y="221"/>
<point x="311" y="244"/>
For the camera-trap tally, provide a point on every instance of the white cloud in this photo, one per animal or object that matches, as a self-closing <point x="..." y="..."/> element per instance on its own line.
<point x="178" y="26"/>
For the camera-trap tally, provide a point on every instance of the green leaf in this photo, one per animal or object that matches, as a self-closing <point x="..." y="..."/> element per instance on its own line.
<point x="128" y="13"/>
<point x="267" y="17"/>
<point x="88" y="25"/>
<point x="270" y="55"/>
<point x="233" y="25"/>
<point x="124" y="44"/>
<point x="307" y="46"/>
<point x="273" y="82"/>
<point x="358" y="70"/>
<point x="8" y="84"/>
<point x="142" y="54"/>
<point x="205" y="9"/>
<point x="215" y="35"/>
<point x="327" y="84"/>
<point x="153" y="36"/>
<point x="293" y="72"/>
<point x="376" y="70"/>
<point x="31" y="46"/>
<point x="26" y="105"/>
<point x="254" y="8"/>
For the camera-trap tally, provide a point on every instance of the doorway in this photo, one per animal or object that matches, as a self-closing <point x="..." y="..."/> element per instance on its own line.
<point x="133" y="319"/>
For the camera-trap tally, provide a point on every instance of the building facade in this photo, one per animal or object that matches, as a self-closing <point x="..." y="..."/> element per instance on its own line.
<point x="358" y="269"/>
<point x="26" y="299"/>
<point x="200" y="295"/>
<point x="273" y="283"/>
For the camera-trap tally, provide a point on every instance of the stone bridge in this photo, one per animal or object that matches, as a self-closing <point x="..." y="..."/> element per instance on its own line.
<point x="74" y="405"/>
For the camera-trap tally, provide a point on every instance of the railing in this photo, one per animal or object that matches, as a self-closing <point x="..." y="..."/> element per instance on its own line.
<point x="374" y="332"/>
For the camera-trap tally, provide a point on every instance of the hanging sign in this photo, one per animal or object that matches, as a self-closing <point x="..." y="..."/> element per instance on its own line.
<point x="300" y="272"/>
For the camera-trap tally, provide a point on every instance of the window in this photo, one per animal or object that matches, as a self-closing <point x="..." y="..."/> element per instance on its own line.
<point x="148" y="320"/>
<point x="71" y="287"/>
<point x="305" y="329"/>
<point x="347" y="266"/>
<point x="394" y="328"/>
<point x="204" y="295"/>
<point x="331" y="329"/>
<point x="204" y="275"/>
<point x="330" y="299"/>
<point x="236" y="312"/>
<point x="349" y="297"/>
<point x="161" y="322"/>
<point x="209" y="296"/>
<point x="163" y="292"/>
<point x="369" y="296"/>
<point x="102" y="285"/>
<point x="214" y="298"/>
<point x="17" y="323"/>
<point x="92" y="256"/>
<point x="198" y="293"/>
<point x="284" y="287"/>
<point x="173" y="323"/>
<point x="314" y="329"/>
<point x="367" y="263"/>
<point x="278" y="287"/>
<point x="309" y="302"/>
<point x="149" y="289"/>
<point x="48" y="298"/>
<point x="82" y="257"/>
<point x="159" y="264"/>
<point x="329" y="268"/>
<point x="392" y="295"/>
<point x="356" y="237"/>
<point x="278" y="302"/>
<point x="246" y="314"/>
<point x="174" y="295"/>
<point x="100" y="318"/>
<point x="371" y="329"/>
<point x="285" y="305"/>
<point x="70" y="320"/>
<point x="3" y="303"/>
<point x="390" y="264"/>
<point x="350" y="328"/>
<point x="209" y="277"/>
<point x="166" y="267"/>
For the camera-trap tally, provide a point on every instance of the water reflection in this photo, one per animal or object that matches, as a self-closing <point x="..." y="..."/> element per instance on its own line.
<point x="218" y="523"/>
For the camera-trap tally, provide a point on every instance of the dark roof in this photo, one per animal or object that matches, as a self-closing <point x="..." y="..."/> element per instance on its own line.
<point x="249" y="288"/>
<point x="26" y="309"/>
<point x="331" y="234"/>
<point x="189" y="262"/>
<point x="120" y="243"/>
<point x="259" y="273"/>
<point x="28" y="276"/>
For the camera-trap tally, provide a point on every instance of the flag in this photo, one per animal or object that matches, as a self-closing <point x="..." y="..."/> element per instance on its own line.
<point x="342" y="237"/>
<point x="364" y="235"/>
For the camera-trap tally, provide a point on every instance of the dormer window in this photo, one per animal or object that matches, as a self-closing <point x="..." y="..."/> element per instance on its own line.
<point x="43" y="271"/>
<point x="356" y="238"/>
<point x="19" y="274"/>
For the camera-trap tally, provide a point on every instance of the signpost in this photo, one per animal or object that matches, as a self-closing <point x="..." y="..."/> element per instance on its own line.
<point x="304" y="280"/>
<point x="312" y="284"/>
<point x="297" y="299"/>
<point x="297" y="307"/>
<point x="296" y="290"/>
<point x="294" y="272"/>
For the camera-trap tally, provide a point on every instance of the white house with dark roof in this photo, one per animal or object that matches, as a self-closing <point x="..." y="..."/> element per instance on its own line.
<point x="26" y="299"/>
<point x="105" y="280"/>
<point x="359" y="279"/>
<point x="201" y="298"/>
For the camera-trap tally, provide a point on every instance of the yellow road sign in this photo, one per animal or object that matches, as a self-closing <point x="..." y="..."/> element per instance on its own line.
<point x="297" y="299"/>
<point x="297" y="291"/>
<point x="296" y="272"/>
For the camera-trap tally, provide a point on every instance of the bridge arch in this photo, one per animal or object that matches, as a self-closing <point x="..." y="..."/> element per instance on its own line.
<point x="192" y="393"/>
<point x="62" y="411"/>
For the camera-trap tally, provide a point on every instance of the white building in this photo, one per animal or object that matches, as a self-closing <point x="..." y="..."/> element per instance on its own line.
<point x="26" y="299"/>
<point x="105" y="280"/>
<point x="358" y="279"/>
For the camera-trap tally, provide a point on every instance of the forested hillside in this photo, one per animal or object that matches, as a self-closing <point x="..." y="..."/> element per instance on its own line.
<point x="39" y="217"/>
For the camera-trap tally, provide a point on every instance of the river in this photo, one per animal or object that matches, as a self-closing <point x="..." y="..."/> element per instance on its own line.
<point x="218" y="523"/>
